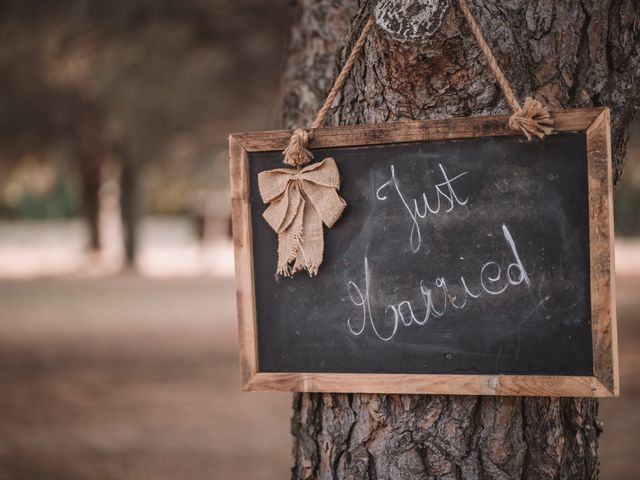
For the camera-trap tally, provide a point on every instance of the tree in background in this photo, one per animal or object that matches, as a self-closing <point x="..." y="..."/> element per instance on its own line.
<point x="569" y="54"/>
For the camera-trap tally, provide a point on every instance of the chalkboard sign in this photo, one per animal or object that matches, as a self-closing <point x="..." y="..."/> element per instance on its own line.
<point x="468" y="261"/>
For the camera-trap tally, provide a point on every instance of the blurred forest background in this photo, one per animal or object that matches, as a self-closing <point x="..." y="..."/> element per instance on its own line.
<point x="113" y="110"/>
<point x="117" y="315"/>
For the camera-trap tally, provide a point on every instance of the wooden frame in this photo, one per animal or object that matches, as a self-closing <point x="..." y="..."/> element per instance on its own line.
<point x="604" y="382"/>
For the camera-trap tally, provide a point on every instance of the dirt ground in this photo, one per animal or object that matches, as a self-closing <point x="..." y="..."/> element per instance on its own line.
<point x="129" y="378"/>
<point x="132" y="378"/>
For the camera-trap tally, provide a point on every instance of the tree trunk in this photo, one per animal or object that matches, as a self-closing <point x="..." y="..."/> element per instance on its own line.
<point x="91" y="180"/>
<point x="90" y="154"/>
<point x="416" y="66"/>
<point x="129" y="207"/>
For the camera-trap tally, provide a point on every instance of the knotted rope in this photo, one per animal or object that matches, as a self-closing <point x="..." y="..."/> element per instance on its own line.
<point x="533" y="119"/>
<point x="296" y="153"/>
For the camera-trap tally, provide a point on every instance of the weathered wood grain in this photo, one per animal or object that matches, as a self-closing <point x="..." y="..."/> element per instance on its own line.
<point x="412" y="131"/>
<point x="519" y="385"/>
<point x="601" y="238"/>
<point x="241" y="221"/>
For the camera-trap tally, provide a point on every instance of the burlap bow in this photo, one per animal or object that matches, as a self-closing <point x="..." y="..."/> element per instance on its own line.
<point x="299" y="202"/>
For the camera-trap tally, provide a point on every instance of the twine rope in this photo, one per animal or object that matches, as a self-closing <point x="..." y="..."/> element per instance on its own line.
<point x="533" y="119"/>
<point x="344" y="74"/>
<point x="296" y="153"/>
<point x="491" y="59"/>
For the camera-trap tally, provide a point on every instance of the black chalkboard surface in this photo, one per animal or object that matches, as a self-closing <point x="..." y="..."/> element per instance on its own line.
<point x="455" y="257"/>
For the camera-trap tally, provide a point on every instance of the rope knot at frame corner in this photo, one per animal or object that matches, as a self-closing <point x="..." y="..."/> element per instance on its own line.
<point x="296" y="154"/>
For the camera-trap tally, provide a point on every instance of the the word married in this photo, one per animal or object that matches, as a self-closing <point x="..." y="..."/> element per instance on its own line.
<point x="436" y="299"/>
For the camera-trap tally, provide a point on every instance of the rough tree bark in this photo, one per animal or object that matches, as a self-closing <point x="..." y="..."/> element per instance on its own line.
<point x="569" y="54"/>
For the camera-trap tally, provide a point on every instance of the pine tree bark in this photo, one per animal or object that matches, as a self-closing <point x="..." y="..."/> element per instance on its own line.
<point x="420" y="66"/>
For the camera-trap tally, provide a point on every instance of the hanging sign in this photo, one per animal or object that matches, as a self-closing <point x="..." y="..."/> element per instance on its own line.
<point x="467" y="260"/>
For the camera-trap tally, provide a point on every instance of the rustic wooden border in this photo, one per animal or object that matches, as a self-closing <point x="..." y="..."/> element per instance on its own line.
<point x="604" y="382"/>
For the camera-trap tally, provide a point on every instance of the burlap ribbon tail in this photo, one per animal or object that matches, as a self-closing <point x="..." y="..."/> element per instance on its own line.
<point x="300" y="201"/>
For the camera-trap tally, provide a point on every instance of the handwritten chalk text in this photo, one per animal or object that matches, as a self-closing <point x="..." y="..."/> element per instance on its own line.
<point x="493" y="280"/>
<point x="446" y="200"/>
